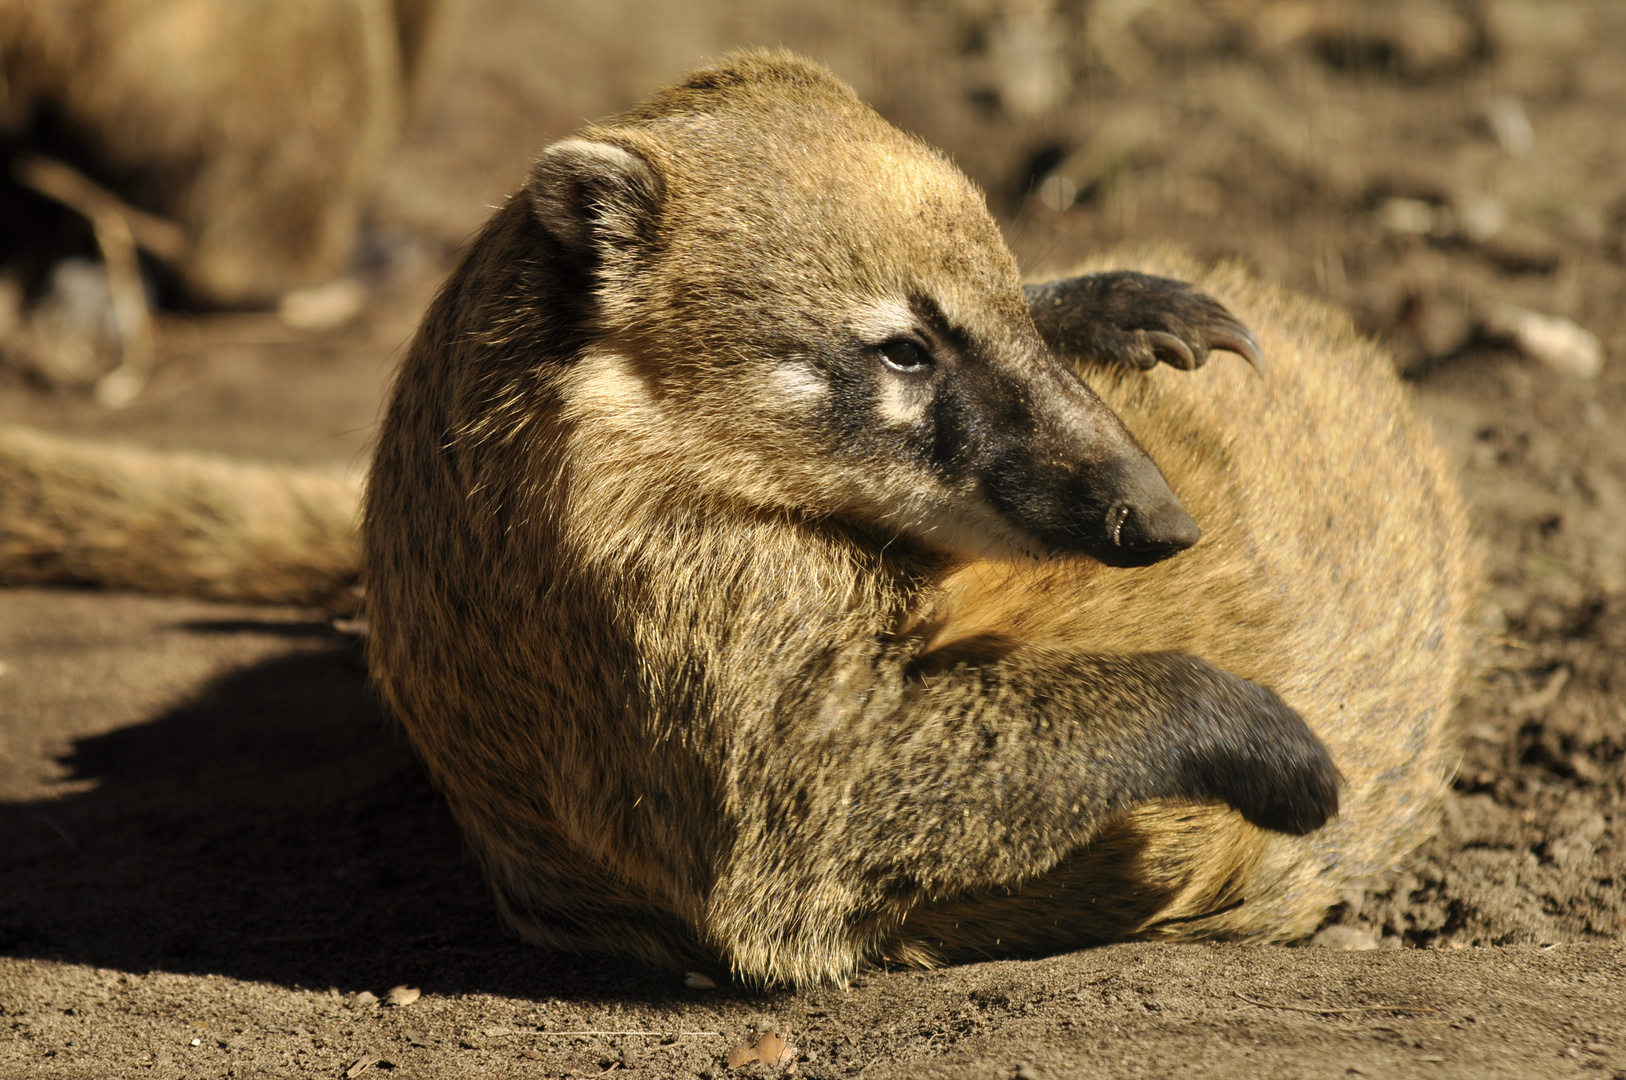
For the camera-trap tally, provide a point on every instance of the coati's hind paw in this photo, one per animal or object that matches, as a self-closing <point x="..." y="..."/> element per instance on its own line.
<point x="1124" y="317"/>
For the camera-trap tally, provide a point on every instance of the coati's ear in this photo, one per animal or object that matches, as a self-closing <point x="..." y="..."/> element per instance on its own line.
<point x="595" y="196"/>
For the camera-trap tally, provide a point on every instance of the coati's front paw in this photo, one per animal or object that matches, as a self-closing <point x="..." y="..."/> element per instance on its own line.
<point x="1124" y="317"/>
<point x="1274" y="769"/>
<point x="1237" y="742"/>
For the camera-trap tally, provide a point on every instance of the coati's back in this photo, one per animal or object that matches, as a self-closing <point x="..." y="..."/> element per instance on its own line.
<point x="1335" y="531"/>
<point x="1336" y="568"/>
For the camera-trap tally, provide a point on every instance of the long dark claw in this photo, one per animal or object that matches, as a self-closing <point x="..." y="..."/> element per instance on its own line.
<point x="1126" y="317"/>
<point x="1172" y="351"/>
<point x="1238" y="339"/>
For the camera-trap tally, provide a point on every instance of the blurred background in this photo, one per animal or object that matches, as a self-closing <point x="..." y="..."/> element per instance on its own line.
<point x="1443" y="168"/>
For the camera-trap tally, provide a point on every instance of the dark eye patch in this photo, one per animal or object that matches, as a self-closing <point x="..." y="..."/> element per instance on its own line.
<point x="904" y="355"/>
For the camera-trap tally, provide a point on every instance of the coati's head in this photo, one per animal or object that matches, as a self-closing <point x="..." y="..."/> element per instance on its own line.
<point x="797" y="305"/>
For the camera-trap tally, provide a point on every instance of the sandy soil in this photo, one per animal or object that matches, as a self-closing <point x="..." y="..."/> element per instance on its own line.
<point x="211" y="841"/>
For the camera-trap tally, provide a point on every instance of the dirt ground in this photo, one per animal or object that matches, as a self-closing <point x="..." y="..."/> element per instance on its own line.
<point x="211" y="840"/>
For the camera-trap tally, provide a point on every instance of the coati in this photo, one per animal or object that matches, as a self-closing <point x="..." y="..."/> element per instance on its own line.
<point x="257" y="125"/>
<point x="766" y="594"/>
<point x="724" y="546"/>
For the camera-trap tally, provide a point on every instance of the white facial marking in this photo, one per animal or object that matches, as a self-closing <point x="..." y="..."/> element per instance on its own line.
<point x="882" y="319"/>
<point x="798" y="383"/>
<point x="606" y="383"/>
<point x="899" y="403"/>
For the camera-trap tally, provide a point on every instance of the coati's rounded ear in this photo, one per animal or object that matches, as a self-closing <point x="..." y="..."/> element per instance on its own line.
<point x="595" y="195"/>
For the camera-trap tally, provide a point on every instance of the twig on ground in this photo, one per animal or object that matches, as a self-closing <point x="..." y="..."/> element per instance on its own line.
<point x="63" y="183"/>
<point x="1329" y="1011"/>
<point x="119" y="229"/>
<point x="567" y="1034"/>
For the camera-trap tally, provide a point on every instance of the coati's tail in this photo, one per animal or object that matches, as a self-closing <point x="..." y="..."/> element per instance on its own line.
<point x="74" y="511"/>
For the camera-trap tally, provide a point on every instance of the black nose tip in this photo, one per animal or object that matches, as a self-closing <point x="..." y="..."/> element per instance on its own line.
<point x="1145" y="534"/>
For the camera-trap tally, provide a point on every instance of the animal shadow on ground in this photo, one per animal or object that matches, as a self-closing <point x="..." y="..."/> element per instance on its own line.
<point x="275" y="828"/>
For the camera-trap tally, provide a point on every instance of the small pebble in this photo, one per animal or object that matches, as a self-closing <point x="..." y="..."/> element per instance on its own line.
<point x="741" y="1055"/>
<point x="773" y="1051"/>
<point x="1415" y="216"/>
<point x="402" y="995"/>
<point x="695" y="980"/>
<point x="323" y="307"/>
<point x="1483" y="218"/>
<point x="1511" y="126"/>
<point x="364" y="1000"/>
<point x="1552" y="341"/>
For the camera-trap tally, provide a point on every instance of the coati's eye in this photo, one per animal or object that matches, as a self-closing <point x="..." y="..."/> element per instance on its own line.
<point x="904" y="355"/>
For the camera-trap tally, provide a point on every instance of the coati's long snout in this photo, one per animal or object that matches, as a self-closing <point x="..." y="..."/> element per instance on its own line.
<point x="1065" y="470"/>
<point x="1009" y="449"/>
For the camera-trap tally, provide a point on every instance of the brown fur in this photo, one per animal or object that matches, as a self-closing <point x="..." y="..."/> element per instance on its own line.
<point x="694" y="697"/>
<point x="691" y="704"/>
<point x="257" y="125"/>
